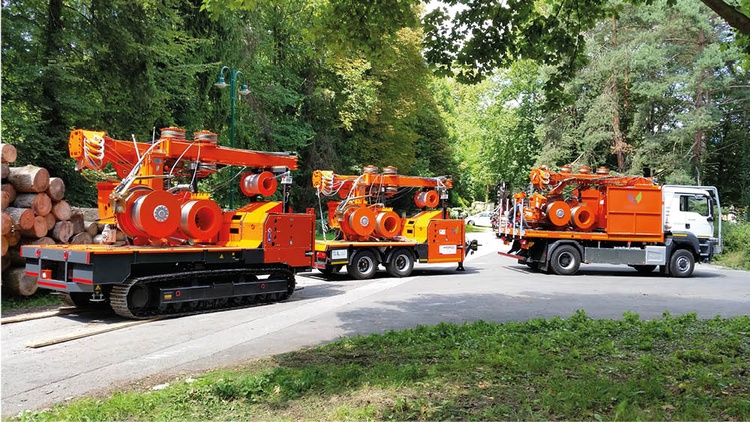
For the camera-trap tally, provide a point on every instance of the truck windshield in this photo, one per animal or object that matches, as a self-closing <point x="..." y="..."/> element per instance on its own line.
<point x="695" y="203"/>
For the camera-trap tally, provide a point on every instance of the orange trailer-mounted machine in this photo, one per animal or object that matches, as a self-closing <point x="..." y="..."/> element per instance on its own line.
<point x="182" y="253"/>
<point x="369" y="233"/>
<point x="572" y="218"/>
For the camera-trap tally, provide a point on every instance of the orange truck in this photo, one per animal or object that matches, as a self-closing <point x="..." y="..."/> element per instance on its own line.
<point x="367" y="232"/>
<point x="182" y="253"/>
<point x="570" y="218"/>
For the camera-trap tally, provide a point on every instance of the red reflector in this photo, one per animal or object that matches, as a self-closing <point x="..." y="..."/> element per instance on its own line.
<point x="65" y="255"/>
<point x="38" y="253"/>
<point x="523" y="243"/>
<point x="320" y="255"/>
<point x="46" y="274"/>
<point x="263" y="285"/>
<point x="177" y="293"/>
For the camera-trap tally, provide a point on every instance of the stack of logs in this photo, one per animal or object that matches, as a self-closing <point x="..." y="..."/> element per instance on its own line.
<point x="35" y="213"/>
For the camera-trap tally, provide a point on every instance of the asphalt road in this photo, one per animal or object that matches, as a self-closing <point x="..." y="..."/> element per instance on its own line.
<point x="493" y="288"/>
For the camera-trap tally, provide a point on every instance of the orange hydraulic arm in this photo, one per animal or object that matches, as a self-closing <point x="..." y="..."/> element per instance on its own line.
<point x="362" y="215"/>
<point x="144" y="199"/>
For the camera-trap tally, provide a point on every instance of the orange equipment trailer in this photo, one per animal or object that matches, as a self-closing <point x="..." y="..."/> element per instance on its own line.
<point x="584" y="217"/>
<point x="183" y="253"/>
<point x="369" y="233"/>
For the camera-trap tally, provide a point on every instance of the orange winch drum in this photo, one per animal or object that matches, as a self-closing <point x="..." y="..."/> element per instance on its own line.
<point x="258" y="184"/>
<point x="200" y="219"/>
<point x="582" y="217"/>
<point x="558" y="213"/>
<point x="156" y="213"/>
<point x="428" y="198"/>
<point x="360" y="220"/>
<point x="125" y="218"/>
<point x="387" y="224"/>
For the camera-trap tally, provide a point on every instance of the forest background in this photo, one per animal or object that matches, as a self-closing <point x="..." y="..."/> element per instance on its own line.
<point x="347" y="83"/>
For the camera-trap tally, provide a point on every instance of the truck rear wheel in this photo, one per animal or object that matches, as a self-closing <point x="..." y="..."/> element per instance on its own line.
<point x="565" y="260"/>
<point x="682" y="263"/>
<point x="363" y="265"/>
<point x="401" y="263"/>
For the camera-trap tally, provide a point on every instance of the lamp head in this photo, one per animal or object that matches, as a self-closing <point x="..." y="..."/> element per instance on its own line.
<point x="244" y="90"/>
<point x="221" y="83"/>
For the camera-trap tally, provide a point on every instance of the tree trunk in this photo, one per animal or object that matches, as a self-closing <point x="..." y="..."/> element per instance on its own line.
<point x="4" y="170"/>
<point x="5" y="200"/>
<point x="6" y="263"/>
<point x="4" y="245"/>
<point x="51" y="220"/>
<point x="8" y="153"/>
<point x="23" y="218"/>
<point x="38" y="202"/>
<point x="82" y="238"/>
<point x="91" y="228"/>
<point x="41" y="241"/>
<point x="16" y="281"/>
<point x="29" y="178"/>
<point x="56" y="189"/>
<point x="38" y="230"/>
<point x="14" y="238"/>
<point x="62" y="210"/>
<point x="77" y="220"/>
<point x="63" y="231"/>
<point x="10" y="190"/>
<point x="7" y="224"/>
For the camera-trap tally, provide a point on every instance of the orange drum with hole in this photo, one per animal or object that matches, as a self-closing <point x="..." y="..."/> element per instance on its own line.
<point x="258" y="184"/>
<point x="157" y="214"/>
<point x="558" y="213"/>
<point x="200" y="219"/>
<point x="360" y="221"/>
<point x="582" y="217"/>
<point x="387" y="224"/>
<point x="428" y="198"/>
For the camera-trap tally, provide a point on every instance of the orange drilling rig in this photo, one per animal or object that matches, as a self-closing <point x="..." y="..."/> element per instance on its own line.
<point x="183" y="253"/>
<point x="369" y="233"/>
<point x="598" y="217"/>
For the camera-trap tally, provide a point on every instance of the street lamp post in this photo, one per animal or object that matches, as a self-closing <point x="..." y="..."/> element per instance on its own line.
<point x="221" y="83"/>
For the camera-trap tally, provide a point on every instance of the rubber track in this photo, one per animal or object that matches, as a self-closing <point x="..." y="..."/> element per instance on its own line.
<point x="119" y="296"/>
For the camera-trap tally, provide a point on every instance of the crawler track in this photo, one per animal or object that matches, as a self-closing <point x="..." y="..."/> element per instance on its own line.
<point x="139" y="297"/>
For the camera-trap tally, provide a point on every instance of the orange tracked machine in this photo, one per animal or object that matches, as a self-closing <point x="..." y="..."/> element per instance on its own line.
<point x="181" y="252"/>
<point x="369" y="233"/>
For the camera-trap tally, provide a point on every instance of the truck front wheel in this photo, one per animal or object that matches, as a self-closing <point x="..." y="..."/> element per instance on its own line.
<point x="363" y="265"/>
<point x="565" y="260"/>
<point x="401" y="264"/>
<point x="682" y="263"/>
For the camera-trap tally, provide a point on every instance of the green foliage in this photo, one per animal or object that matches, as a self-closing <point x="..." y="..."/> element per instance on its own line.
<point x="736" y="253"/>
<point x="574" y="368"/>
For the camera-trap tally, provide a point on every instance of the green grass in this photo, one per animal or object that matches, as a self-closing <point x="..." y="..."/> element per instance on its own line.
<point x="475" y="229"/>
<point x="39" y="299"/>
<point x="679" y="368"/>
<point x="736" y="252"/>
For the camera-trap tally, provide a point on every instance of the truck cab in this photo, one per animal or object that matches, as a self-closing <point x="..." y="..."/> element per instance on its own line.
<point x="694" y="211"/>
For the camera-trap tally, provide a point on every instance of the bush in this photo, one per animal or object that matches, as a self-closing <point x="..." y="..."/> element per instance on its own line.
<point x="736" y="252"/>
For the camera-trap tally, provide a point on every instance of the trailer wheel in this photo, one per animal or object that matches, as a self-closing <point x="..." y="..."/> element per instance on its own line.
<point x="682" y="263"/>
<point x="565" y="260"/>
<point x="401" y="263"/>
<point x="645" y="269"/>
<point x="363" y="265"/>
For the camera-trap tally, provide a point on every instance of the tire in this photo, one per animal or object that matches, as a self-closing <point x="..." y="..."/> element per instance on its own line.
<point x="363" y="265"/>
<point x="401" y="263"/>
<point x="565" y="260"/>
<point x="470" y="223"/>
<point x="682" y="263"/>
<point x="534" y="266"/>
<point x="644" y="269"/>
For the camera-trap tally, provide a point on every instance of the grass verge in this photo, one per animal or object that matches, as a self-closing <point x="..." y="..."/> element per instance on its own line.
<point x="40" y="299"/>
<point x="576" y="368"/>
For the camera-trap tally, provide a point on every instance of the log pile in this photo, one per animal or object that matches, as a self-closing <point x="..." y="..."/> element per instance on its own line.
<point x="34" y="212"/>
